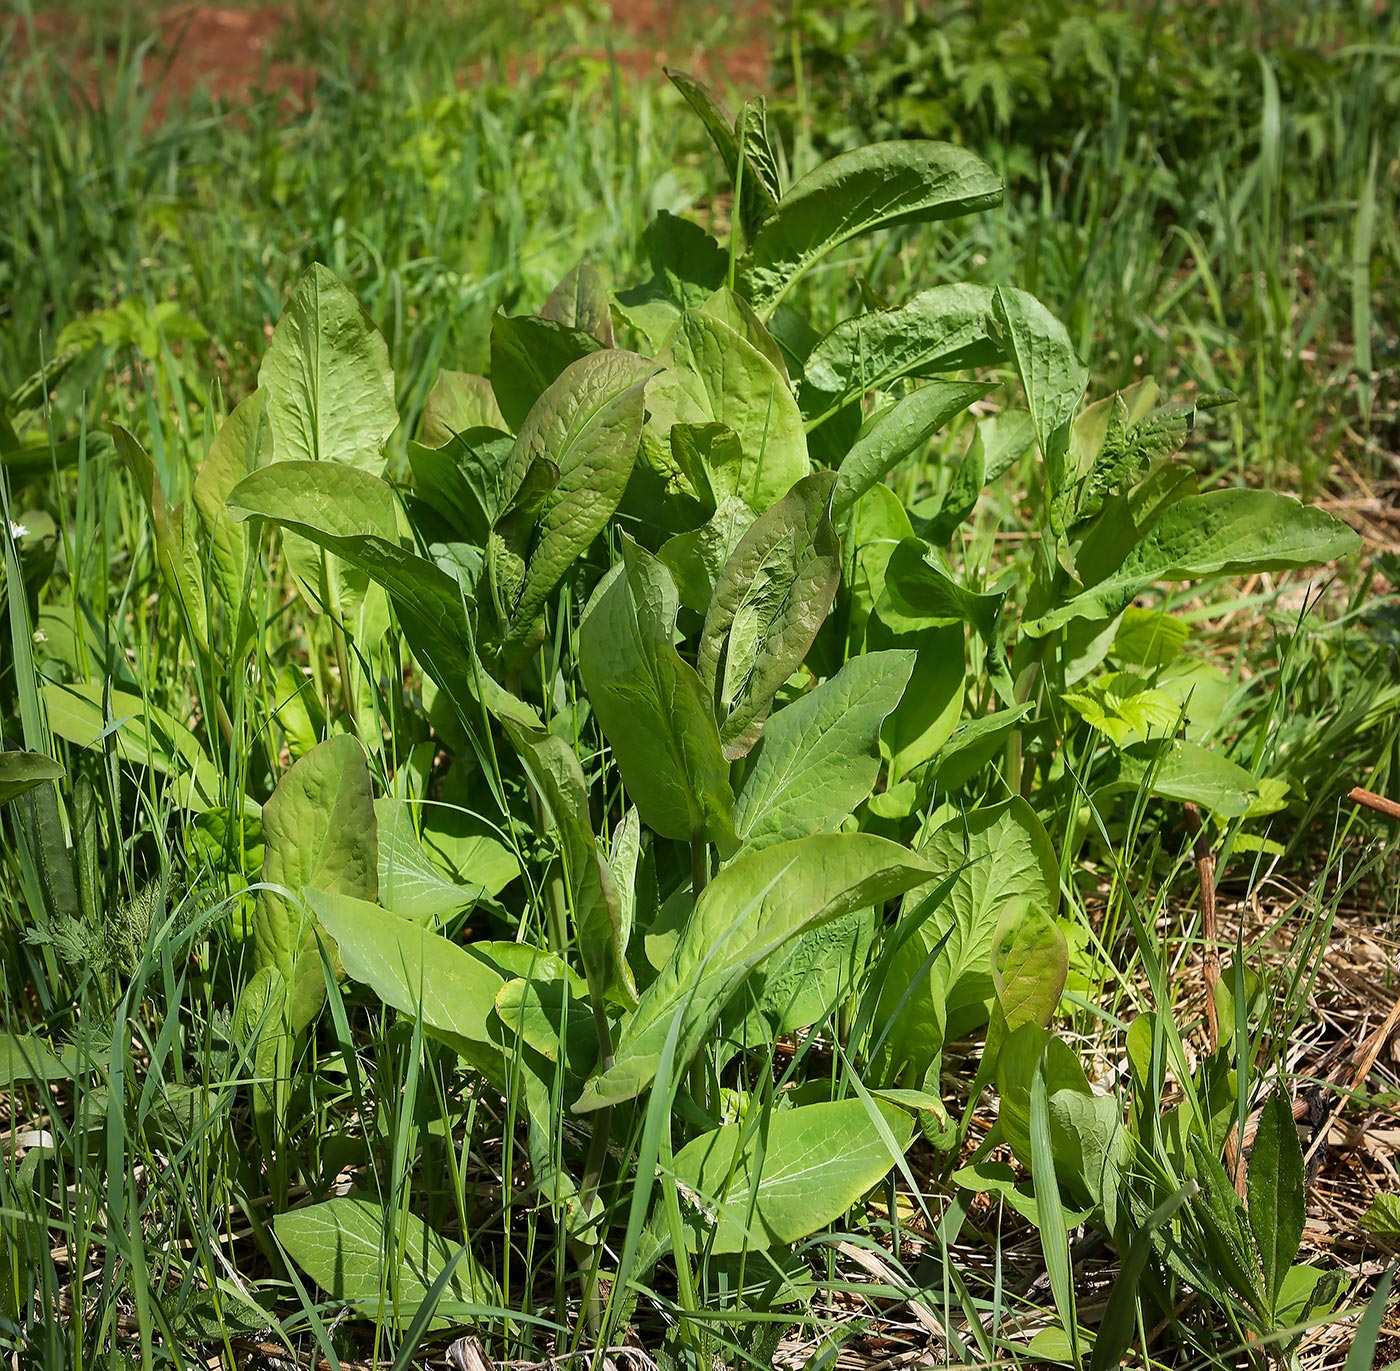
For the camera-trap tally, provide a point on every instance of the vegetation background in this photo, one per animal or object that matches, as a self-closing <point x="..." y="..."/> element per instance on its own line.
<point x="1206" y="194"/>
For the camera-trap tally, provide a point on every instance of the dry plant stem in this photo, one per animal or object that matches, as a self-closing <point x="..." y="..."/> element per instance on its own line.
<point x="1205" y="872"/>
<point x="1370" y="800"/>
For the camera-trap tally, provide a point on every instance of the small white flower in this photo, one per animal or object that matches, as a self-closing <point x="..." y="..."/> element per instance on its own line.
<point x="17" y="531"/>
<point x="40" y="636"/>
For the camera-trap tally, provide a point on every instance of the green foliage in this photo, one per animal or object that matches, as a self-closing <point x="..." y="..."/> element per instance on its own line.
<point x="617" y="814"/>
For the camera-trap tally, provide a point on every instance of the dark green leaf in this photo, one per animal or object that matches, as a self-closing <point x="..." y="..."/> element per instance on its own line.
<point x="1223" y="533"/>
<point x="769" y="603"/>
<point x="820" y="756"/>
<point x="528" y="354"/>
<point x="22" y="771"/>
<point x="652" y="706"/>
<point x="1277" y="1195"/>
<point x="898" y="433"/>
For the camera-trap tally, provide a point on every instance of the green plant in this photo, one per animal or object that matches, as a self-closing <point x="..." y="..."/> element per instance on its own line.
<point x="687" y="780"/>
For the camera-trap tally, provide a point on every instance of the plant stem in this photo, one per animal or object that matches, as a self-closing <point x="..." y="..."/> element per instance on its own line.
<point x="593" y="1166"/>
<point x="1025" y="684"/>
<point x="699" y="864"/>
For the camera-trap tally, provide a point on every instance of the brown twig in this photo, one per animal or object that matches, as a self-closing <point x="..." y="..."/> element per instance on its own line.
<point x="1205" y="873"/>
<point x="1375" y="802"/>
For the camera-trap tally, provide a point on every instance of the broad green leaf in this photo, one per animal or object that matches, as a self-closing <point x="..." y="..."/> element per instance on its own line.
<point x="819" y="756"/>
<point x="594" y="899"/>
<point x="711" y="459"/>
<point x="314" y="498"/>
<point x="800" y="984"/>
<point x="622" y="862"/>
<point x="769" y="603"/>
<point x="756" y="905"/>
<point x="1003" y="857"/>
<point x="25" y="1057"/>
<point x="714" y="375"/>
<point x="418" y="972"/>
<point x="879" y="186"/>
<point x="458" y="402"/>
<point x="1182" y="770"/>
<point x="528" y="355"/>
<point x="1030" y="964"/>
<point x="1091" y="1148"/>
<point x="1000" y="1178"/>
<point x="326" y="375"/>
<point x="932" y="703"/>
<point x="343" y="502"/>
<point x="431" y="605"/>
<point x="1382" y="1216"/>
<point x="381" y="1265"/>
<point x="687" y="266"/>
<point x="947" y="328"/>
<point x="794" y="1173"/>
<point x="588" y="425"/>
<point x="651" y="704"/>
<point x="581" y="301"/>
<point x="143" y="735"/>
<point x="466" y="479"/>
<point x="759" y="190"/>
<point x="1016" y="1064"/>
<point x="1277" y="1192"/>
<point x="1125" y="708"/>
<point x="1149" y="638"/>
<point x="260" y="1028"/>
<point x="467" y="848"/>
<point x="319" y="830"/>
<point x="1222" y="533"/>
<point x="22" y="771"/>
<point x="545" y="1014"/>
<point x="242" y="444"/>
<point x="1051" y="373"/>
<point x="874" y="527"/>
<point x="897" y="433"/>
<point x="735" y="311"/>
<point x="919" y="593"/>
<point x="697" y="559"/>
<point x="409" y="883"/>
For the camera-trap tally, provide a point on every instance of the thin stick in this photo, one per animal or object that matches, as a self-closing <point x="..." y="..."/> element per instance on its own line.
<point x="1205" y="873"/>
<point x="1375" y="802"/>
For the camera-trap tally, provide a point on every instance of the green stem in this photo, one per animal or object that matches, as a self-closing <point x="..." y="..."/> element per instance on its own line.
<point x="1025" y="685"/>
<point x="593" y="1167"/>
<point x="699" y="864"/>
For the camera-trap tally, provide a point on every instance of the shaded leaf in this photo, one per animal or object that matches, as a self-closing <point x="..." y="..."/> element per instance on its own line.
<point x="652" y="706"/>
<point x="319" y="829"/>
<point x="770" y="601"/>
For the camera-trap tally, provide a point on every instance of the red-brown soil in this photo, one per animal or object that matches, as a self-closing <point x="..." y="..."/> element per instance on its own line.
<point x="231" y="52"/>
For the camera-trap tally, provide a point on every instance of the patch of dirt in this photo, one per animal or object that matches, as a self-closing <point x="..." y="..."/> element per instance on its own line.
<point x="652" y="34"/>
<point x="232" y="52"/>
